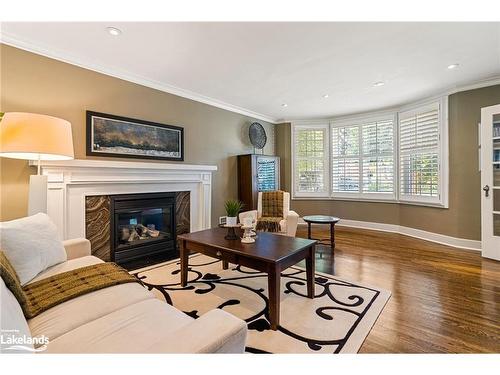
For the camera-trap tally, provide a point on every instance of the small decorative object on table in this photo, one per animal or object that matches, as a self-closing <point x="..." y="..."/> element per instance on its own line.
<point x="233" y="208"/>
<point x="247" y="234"/>
<point x="222" y="221"/>
<point x="231" y="234"/>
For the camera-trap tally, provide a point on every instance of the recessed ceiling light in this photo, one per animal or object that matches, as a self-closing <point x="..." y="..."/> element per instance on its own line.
<point x="114" y="31"/>
<point x="284" y="105"/>
<point x="379" y="83"/>
<point x="326" y="96"/>
<point x="453" y="66"/>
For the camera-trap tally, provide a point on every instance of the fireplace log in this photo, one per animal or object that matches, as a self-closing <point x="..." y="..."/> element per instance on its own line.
<point x="124" y="234"/>
<point x="134" y="236"/>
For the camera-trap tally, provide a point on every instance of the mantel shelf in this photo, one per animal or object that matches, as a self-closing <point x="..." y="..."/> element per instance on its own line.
<point x="90" y="163"/>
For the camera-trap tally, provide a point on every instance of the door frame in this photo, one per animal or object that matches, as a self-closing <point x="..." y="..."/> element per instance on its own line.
<point x="490" y="244"/>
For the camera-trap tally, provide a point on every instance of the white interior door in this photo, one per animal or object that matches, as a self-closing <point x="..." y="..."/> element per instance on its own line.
<point x="490" y="180"/>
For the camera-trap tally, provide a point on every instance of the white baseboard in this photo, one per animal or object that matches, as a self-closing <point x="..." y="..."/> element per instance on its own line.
<point x="442" y="239"/>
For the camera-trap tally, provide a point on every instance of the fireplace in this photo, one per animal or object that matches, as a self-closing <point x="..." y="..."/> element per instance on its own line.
<point x="142" y="229"/>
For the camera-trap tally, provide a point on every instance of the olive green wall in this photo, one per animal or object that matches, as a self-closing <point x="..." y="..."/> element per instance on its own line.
<point x="463" y="217"/>
<point x="33" y="83"/>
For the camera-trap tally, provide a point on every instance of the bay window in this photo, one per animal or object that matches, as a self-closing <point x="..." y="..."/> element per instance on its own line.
<point x="398" y="156"/>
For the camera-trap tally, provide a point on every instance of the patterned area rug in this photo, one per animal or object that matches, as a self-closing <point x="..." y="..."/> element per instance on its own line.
<point x="337" y="320"/>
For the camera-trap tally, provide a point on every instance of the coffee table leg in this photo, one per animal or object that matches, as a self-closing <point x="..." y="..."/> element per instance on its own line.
<point x="310" y="267"/>
<point x="184" y="253"/>
<point x="332" y="235"/>
<point x="225" y="265"/>
<point x="273" y="279"/>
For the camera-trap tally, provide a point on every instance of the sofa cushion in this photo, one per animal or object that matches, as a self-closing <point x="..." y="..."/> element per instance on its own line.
<point x="74" y="313"/>
<point x="71" y="314"/>
<point x="67" y="266"/>
<point x="137" y="328"/>
<point x="12" y="321"/>
<point x="31" y="244"/>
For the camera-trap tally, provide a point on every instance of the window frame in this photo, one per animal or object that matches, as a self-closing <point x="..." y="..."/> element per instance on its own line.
<point x="442" y="151"/>
<point x="359" y="121"/>
<point x="396" y="196"/>
<point x="326" y="161"/>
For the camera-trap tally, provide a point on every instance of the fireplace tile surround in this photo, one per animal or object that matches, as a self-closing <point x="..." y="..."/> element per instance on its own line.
<point x="98" y="219"/>
<point x="73" y="184"/>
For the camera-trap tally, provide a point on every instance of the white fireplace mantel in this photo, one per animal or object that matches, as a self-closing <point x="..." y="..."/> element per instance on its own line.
<point x="69" y="182"/>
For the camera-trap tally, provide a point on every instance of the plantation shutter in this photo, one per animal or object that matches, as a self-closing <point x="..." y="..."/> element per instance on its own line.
<point x="345" y="159"/>
<point x="363" y="158"/>
<point x="311" y="160"/>
<point x="419" y="140"/>
<point x="378" y="156"/>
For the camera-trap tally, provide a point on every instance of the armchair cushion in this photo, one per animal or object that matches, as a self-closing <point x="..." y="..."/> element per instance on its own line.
<point x="272" y="203"/>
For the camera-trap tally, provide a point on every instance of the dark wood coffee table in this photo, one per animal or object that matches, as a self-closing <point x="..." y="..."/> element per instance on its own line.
<point x="271" y="253"/>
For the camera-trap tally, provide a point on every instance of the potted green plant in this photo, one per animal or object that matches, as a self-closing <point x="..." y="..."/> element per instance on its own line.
<point x="233" y="208"/>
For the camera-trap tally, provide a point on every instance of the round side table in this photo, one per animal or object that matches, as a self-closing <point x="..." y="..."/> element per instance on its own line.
<point x="322" y="219"/>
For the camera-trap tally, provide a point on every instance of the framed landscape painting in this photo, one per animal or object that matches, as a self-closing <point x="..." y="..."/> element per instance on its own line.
<point x="110" y="135"/>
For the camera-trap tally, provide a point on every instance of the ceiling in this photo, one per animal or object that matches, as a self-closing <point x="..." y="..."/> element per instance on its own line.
<point x="255" y="68"/>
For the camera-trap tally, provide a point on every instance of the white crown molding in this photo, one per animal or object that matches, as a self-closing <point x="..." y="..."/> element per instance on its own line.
<point x="14" y="41"/>
<point x="460" y="243"/>
<point x="17" y="42"/>
<point x="491" y="81"/>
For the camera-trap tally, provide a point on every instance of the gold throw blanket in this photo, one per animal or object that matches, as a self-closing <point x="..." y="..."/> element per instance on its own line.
<point x="41" y="295"/>
<point x="272" y="211"/>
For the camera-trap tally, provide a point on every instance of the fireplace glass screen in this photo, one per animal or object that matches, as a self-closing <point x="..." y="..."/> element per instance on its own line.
<point x="143" y="226"/>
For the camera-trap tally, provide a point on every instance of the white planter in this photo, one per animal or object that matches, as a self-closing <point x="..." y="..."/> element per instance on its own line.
<point x="231" y="220"/>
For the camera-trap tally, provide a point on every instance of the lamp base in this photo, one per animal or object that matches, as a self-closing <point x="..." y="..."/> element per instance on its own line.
<point x="37" y="201"/>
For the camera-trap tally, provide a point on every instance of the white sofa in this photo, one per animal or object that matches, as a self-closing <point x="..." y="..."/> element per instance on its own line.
<point x="121" y="319"/>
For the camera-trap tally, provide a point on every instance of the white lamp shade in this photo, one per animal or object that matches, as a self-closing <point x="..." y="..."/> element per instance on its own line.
<point x="32" y="136"/>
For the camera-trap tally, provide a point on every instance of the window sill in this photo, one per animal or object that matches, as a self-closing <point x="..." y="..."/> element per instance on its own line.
<point x="371" y="200"/>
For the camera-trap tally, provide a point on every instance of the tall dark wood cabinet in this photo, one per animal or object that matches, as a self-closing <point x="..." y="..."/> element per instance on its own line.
<point x="256" y="173"/>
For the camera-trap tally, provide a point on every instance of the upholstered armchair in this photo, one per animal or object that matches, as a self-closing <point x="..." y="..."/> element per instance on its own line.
<point x="287" y="226"/>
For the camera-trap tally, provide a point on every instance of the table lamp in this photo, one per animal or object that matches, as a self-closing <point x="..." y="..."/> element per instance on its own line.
<point x="37" y="137"/>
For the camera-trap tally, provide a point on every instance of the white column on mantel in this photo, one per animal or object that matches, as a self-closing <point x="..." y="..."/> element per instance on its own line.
<point x="69" y="182"/>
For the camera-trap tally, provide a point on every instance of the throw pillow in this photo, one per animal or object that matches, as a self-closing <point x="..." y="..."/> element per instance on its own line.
<point x="31" y="245"/>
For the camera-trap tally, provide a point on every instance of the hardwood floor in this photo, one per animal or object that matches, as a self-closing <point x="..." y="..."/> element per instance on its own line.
<point x="444" y="300"/>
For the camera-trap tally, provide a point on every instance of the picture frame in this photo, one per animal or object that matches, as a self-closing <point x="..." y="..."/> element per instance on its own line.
<point x="125" y="137"/>
<point x="222" y="220"/>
